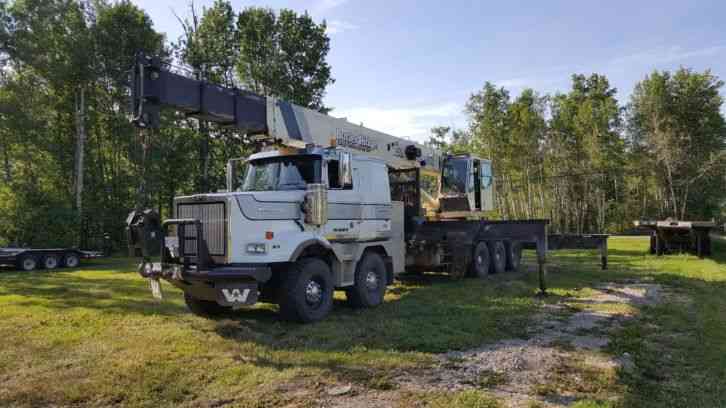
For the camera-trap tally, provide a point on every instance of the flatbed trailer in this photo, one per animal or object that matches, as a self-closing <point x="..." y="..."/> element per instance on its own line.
<point x="669" y="236"/>
<point x="28" y="259"/>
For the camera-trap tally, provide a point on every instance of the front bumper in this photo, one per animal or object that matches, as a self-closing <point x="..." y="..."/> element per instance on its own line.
<point x="259" y="273"/>
<point x="228" y="285"/>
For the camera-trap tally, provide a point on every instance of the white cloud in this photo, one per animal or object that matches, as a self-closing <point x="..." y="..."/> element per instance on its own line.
<point x="322" y="6"/>
<point x="339" y="26"/>
<point x="410" y="122"/>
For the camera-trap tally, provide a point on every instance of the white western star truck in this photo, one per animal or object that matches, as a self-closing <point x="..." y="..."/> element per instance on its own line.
<point x="326" y="205"/>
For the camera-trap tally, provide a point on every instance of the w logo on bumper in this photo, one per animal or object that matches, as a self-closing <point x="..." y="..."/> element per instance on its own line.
<point x="236" y="295"/>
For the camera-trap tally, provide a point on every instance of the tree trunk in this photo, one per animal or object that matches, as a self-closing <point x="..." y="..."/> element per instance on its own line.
<point x="80" y="147"/>
<point x="204" y="157"/>
<point x="8" y="171"/>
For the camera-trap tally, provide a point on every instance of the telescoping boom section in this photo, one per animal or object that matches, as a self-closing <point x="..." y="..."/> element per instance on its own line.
<point x="265" y="118"/>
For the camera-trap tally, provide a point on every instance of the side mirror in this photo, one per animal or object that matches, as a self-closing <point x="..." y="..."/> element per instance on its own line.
<point x="345" y="169"/>
<point x="315" y="205"/>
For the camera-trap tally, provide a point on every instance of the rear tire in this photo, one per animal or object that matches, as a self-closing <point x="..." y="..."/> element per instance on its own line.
<point x="204" y="308"/>
<point x="50" y="261"/>
<point x="369" y="288"/>
<point x="514" y="255"/>
<point x="307" y="291"/>
<point x="71" y="260"/>
<point x="481" y="260"/>
<point x="27" y="263"/>
<point x="499" y="256"/>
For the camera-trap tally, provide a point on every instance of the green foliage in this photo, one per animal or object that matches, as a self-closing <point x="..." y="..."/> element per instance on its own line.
<point x="589" y="165"/>
<point x="284" y="55"/>
<point x="63" y="51"/>
<point x="678" y="127"/>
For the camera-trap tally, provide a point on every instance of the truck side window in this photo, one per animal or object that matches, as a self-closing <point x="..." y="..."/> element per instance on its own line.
<point x="334" y="176"/>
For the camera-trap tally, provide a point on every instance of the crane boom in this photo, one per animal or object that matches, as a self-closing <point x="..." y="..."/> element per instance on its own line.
<point x="265" y="118"/>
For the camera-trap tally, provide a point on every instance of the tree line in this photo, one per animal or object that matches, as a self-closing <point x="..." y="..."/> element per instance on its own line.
<point x="72" y="166"/>
<point x="591" y="164"/>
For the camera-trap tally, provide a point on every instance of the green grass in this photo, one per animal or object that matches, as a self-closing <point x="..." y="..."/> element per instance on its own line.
<point x="94" y="336"/>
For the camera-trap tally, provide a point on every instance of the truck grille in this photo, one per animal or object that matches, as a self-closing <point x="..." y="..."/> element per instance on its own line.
<point x="214" y="226"/>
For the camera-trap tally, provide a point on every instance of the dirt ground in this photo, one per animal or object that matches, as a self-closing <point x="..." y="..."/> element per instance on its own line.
<point x="562" y="354"/>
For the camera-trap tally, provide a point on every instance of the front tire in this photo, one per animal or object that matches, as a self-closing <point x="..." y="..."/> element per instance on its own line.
<point x="307" y="291"/>
<point x="204" y="308"/>
<point x="370" y="282"/>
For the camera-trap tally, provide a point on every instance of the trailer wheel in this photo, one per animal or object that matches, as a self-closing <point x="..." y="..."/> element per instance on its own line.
<point x="50" y="261"/>
<point x="514" y="255"/>
<point x="481" y="260"/>
<point x="370" y="282"/>
<point x="307" y="291"/>
<point x="204" y="308"/>
<point x="71" y="260"/>
<point x="27" y="262"/>
<point x="499" y="256"/>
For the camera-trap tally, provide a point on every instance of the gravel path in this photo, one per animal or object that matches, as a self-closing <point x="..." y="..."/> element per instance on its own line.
<point x="513" y="369"/>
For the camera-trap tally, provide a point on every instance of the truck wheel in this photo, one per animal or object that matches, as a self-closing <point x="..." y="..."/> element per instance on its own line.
<point x="27" y="263"/>
<point x="307" y="291"/>
<point x="370" y="282"/>
<point x="499" y="256"/>
<point x="50" y="261"/>
<point x="204" y="308"/>
<point x="481" y="260"/>
<point x="514" y="255"/>
<point x="71" y="260"/>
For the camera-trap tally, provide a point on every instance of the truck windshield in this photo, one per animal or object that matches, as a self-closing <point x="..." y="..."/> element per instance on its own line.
<point x="454" y="176"/>
<point x="281" y="173"/>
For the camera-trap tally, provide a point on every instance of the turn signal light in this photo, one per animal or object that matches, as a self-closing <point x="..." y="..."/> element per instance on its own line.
<point x="269" y="235"/>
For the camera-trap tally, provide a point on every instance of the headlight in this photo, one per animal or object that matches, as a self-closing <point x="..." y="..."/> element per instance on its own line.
<point x="256" y="248"/>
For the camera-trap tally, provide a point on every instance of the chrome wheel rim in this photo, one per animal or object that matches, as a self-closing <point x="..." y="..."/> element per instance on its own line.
<point x="313" y="293"/>
<point x="371" y="280"/>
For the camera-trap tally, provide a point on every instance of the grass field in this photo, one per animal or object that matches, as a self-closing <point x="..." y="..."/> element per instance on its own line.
<point x="95" y="337"/>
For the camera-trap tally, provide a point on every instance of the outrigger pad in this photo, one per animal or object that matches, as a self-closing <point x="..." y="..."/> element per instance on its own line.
<point x="144" y="232"/>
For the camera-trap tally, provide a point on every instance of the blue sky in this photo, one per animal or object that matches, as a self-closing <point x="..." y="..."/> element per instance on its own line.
<point x="404" y="66"/>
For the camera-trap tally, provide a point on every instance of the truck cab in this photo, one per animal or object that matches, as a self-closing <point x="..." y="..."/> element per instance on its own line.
<point x="286" y="213"/>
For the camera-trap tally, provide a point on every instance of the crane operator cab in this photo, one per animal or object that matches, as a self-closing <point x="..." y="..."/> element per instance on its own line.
<point x="467" y="185"/>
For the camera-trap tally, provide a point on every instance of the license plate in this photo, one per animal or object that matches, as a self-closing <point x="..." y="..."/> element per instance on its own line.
<point x="237" y="294"/>
<point x="156" y="288"/>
